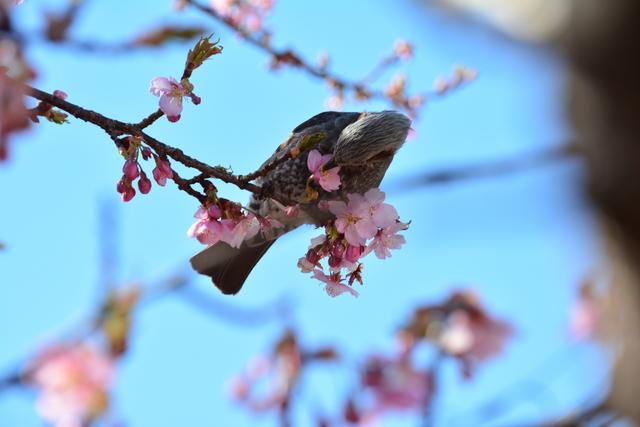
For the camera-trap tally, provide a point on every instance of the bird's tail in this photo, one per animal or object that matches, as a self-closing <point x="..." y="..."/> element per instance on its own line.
<point x="229" y="267"/>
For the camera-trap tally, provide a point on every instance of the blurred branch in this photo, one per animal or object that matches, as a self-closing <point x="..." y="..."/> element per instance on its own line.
<point x="278" y="308"/>
<point x="290" y="57"/>
<point x="489" y="169"/>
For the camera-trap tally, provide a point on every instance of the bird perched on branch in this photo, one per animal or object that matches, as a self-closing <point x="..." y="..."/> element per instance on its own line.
<point x="361" y="144"/>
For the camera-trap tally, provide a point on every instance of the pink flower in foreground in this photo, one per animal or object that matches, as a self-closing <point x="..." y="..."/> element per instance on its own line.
<point x="386" y="239"/>
<point x="73" y="384"/>
<point x="206" y="229"/>
<point x="360" y="218"/>
<point x="171" y="93"/>
<point x="162" y="171"/>
<point x="237" y="232"/>
<point x="333" y="286"/>
<point x="329" y="180"/>
<point x="374" y="213"/>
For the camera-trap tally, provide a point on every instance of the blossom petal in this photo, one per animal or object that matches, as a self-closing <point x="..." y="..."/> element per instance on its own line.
<point x="171" y="105"/>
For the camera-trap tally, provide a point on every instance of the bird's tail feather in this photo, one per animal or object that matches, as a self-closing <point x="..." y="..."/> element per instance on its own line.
<point x="229" y="267"/>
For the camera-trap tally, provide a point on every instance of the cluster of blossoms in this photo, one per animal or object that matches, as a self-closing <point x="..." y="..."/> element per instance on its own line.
<point x="461" y="328"/>
<point x="131" y="148"/>
<point x="460" y="75"/>
<point x="247" y="15"/>
<point x="73" y="384"/>
<point x="362" y="225"/>
<point x="171" y="93"/>
<point x="280" y="370"/>
<point x="225" y="221"/>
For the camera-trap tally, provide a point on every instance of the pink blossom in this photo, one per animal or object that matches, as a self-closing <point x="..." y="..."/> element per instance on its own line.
<point x="131" y="169"/>
<point x="329" y="180"/>
<point x="375" y="214"/>
<point x="278" y="374"/>
<point x="60" y="94"/>
<point x="13" y="112"/>
<point x="353" y="253"/>
<point x="171" y="93"/>
<point x="144" y="183"/>
<point x="585" y="314"/>
<point x="237" y="232"/>
<point x="126" y="190"/>
<point x="247" y="14"/>
<point x="360" y="218"/>
<point x="162" y="171"/>
<point x="305" y="265"/>
<point x="207" y="229"/>
<point x="386" y="239"/>
<point x="403" y="49"/>
<point x="473" y="334"/>
<point x="72" y="383"/>
<point x="347" y="216"/>
<point x="396" y="384"/>
<point x="333" y="286"/>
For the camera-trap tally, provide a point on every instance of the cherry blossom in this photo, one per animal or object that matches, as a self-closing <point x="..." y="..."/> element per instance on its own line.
<point x="171" y="93"/>
<point x="329" y="180"/>
<point x="13" y="112"/>
<point x="73" y="384"/>
<point x="403" y="49"/>
<point x="246" y="14"/>
<point x="386" y="239"/>
<point x="207" y="229"/>
<point x="585" y="313"/>
<point x="333" y="285"/>
<point x="162" y="171"/>
<point x="396" y="384"/>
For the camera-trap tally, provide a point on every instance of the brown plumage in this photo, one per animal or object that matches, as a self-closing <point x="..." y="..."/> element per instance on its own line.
<point x="362" y="144"/>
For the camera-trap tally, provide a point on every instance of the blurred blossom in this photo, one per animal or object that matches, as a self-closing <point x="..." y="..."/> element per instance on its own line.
<point x="461" y="328"/>
<point x="526" y="19"/>
<point x="395" y="384"/>
<point x="585" y="313"/>
<point x="246" y="14"/>
<point x="13" y="112"/>
<point x="280" y="370"/>
<point x="403" y="49"/>
<point x="73" y="384"/>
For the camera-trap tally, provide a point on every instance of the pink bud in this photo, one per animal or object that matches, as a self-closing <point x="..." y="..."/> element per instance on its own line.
<point x="144" y="184"/>
<point x="173" y="119"/>
<point x="146" y="153"/>
<point x="337" y="250"/>
<point x="130" y="169"/>
<point x="334" y="261"/>
<point x="128" y="194"/>
<point x="165" y="167"/>
<point x="214" y="212"/>
<point x="60" y="94"/>
<point x="353" y="253"/>
<point x="121" y="187"/>
<point x="160" y="178"/>
<point x="195" y="99"/>
<point x="312" y="256"/>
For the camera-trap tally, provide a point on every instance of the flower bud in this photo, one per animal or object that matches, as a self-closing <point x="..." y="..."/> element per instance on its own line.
<point x="131" y="169"/>
<point x="144" y="184"/>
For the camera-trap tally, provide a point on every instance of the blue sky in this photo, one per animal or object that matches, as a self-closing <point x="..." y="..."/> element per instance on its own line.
<point x="523" y="242"/>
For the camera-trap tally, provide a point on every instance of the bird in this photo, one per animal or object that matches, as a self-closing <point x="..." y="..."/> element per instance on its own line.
<point x="363" y="144"/>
